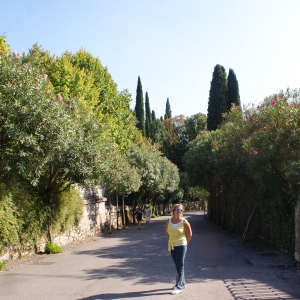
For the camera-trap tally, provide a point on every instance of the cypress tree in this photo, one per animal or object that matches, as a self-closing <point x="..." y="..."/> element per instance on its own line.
<point x="148" y="117"/>
<point x="168" y="113"/>
<point x="217" y="104"/>
<point x="139" y="107"/>
<point x="233" y="90"/>
<point x="153" y="127"/>
<point x="153" y="116"/>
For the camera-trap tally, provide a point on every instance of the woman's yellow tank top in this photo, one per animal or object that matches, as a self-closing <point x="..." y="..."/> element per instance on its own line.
<point x="177" y="235"/>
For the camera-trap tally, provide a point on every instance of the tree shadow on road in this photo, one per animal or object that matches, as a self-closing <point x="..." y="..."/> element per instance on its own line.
<point x="141" y="256"/>
<point x="159" y="292"/>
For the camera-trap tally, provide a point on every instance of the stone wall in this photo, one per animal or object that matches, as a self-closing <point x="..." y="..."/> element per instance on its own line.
<point x="94" y="220"/>
<point x="297" y="231"/>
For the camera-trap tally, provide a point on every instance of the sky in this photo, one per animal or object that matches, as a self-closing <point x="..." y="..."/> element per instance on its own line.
<point x="173" y="45"/>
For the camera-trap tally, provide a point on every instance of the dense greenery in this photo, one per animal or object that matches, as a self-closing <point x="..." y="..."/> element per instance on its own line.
<point x="250" y="167"/>
<point x="63" y="123"/>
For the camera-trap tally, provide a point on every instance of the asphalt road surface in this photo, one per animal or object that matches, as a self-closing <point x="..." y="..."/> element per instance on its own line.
<point x="135" y="264"/>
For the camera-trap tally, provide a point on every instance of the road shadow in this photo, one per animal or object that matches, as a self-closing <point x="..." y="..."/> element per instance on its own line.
<point x="147" y="293"/>
<point x="142" y="256"/>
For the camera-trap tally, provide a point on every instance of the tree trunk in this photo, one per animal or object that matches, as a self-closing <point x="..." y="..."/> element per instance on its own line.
<point x="50" y="231"/>
<point x="50" y="234"/>
<point x="232" y="217"/>
<point x="223" y="214"/>
<point x="123" y="208"/>
<point x="246" y="231"/>
<point x="225" y="195"/>
<point x="117" y="208"/>
<point x="109" y="205"/>
<point x="213" y="205"/>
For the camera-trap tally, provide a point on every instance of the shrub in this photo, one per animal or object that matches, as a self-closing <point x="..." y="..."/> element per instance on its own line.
<point x="2" y="264"/>
<point x="8" y="221"/>
<point x="31" y="213"/>
<point x="69" y="210"/>
<point x="51" y="248"/>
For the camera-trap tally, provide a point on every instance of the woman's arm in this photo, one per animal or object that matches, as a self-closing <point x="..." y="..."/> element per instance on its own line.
<point x="166" y="228"/>
<point x="188" y="230"/>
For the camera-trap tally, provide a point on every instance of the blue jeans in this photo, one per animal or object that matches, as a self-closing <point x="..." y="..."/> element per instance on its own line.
<point x="178" y="255"/>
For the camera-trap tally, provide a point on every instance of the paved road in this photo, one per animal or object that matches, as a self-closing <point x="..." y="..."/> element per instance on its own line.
<point x="135" y="264"/>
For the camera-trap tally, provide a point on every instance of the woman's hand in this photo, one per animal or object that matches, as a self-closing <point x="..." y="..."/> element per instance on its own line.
<point x="166" y="228"/>
<point x="188" y="230"/>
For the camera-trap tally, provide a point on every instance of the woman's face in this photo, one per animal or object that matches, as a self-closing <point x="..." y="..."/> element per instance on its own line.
<point x="178" y="211"/>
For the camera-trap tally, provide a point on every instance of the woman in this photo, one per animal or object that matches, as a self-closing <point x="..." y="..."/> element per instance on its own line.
<point x="179" y="232"/>
<point x="147" y="215"/>
<point x="139" y="215"/>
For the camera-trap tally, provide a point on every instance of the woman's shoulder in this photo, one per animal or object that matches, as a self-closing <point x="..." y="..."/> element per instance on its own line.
<point x="169" y="221"/>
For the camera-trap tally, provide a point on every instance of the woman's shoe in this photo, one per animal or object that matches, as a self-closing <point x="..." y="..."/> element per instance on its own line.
<point x="175" y="291"/>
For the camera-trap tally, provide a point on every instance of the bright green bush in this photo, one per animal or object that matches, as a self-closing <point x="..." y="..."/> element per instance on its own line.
<point x="52" y="248"/>
<point x="2" y="265"/>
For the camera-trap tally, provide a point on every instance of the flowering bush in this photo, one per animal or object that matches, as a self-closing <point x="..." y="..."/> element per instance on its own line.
<point x="251" y="164"/>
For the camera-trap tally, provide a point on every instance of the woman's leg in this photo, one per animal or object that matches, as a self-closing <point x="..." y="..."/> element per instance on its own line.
<point x="178" y="255"/>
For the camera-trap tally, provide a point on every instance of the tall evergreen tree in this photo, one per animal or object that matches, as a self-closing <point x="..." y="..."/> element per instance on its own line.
<point x="168" y="113"/>
<point x="233" y="90"/>
<point x="217" y="104"/>
<point x="148" y="117"/>
<point x="139" y="107"/>
<point x="153" y="115"/>
<point x="154" y="126"/>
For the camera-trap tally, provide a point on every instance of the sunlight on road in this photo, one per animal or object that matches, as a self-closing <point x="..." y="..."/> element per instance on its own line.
<point x="252" y="289"/>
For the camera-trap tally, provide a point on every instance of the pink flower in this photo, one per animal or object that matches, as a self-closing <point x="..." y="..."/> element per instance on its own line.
<point x="16" y="54"/>
<point x="255" y="152"/>
<point x="45" y="76"/>
<point x="273" y="102"/>
<point x="59" y="97"/>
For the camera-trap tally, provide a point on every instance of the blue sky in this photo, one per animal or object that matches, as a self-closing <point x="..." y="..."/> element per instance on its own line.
<point x="172" y="45"/>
